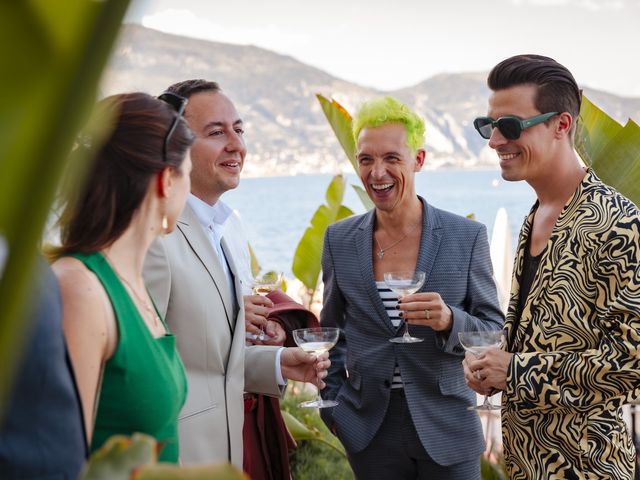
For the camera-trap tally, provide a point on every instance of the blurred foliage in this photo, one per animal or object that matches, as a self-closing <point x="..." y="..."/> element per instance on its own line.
<point x="53" y="54"/>
<point x="613" y="151"/>
<point x="135" y="458"/>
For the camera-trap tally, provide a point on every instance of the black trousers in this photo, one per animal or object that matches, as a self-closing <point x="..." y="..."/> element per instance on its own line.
<point x="397" y="453"/>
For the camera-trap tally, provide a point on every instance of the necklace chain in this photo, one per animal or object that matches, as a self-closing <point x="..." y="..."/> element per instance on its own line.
<point x="150" y="312"/>
<point x="381" y="250"/>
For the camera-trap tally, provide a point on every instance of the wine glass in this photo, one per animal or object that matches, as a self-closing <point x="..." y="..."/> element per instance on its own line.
<point x="317" y="340"/>
<point x="477" y="343"/>
<point x="262" y="285"/>
<point x="404" y="283"/>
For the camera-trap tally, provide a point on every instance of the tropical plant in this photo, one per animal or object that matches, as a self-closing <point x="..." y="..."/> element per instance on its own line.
<point x="306" y="261"/>
<point x="53" y="55"/>
<point x="136" y="457"/>
<point x="319" y="454"/>
<point x="613" y="151"/>
<point x="340" y="121"/>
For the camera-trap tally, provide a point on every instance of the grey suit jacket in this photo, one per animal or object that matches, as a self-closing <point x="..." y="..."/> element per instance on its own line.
<point x="188" y="284"/>
<point x="454" y="253"/>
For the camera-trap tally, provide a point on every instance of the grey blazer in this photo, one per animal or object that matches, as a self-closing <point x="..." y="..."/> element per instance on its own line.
<point x="454" y="252"/>
<point x="189" y="287"/>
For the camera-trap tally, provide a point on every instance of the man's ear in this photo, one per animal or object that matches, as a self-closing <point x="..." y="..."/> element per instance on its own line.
<point x="165" y="182"/>
<point x="563" y="127"/>
<point x="420" y="157"/>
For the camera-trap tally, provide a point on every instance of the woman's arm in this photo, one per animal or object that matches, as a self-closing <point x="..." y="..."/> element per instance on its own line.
<point x="90" y="329"/>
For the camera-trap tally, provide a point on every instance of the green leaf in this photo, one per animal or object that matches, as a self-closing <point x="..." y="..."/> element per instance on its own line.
<point x="54" y="53"/>
<point x="300" y="432"/>
<point x="307" y="258"/>
<point x="613" y="151"/>
<point x="166" y="471"/>
<point x="340" y="121"/>
<point x="119" y="456"/>
<point x="364" y="198"/>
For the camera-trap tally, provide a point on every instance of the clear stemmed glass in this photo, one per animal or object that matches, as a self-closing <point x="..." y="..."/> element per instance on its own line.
<point x="317" y="341"/>
<point x="476" y="343"/>
<point x="263" y="284"/>
<point x="404" y="283"/>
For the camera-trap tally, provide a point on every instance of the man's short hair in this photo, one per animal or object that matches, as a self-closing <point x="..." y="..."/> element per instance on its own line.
<point x="386" y="110"/>
<point x="557" y="89"/>
<point x="190" y="87"/>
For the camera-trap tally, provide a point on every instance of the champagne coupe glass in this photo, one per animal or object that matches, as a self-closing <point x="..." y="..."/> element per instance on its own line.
<point x="404" y="283"/>
<point x="477" y="343"/>
<point x="263" y="284"/>
<point x="317" y="341"/>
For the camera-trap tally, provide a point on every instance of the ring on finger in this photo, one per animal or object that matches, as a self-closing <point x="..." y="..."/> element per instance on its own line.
<point x="427" y="314"/>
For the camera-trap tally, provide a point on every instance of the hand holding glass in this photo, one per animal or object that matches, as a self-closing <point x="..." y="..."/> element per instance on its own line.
<point x="477" y="343"/>
<point x="404" y="283"/>
<point x="317" y="341"/>
<point x="263" y="285"/>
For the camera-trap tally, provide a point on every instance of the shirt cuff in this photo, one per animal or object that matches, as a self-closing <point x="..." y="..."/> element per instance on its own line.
<point x="281" y="381"/>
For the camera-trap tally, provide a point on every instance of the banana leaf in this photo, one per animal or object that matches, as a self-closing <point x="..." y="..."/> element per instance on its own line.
<point x="53" y="54"/>
<point x="306" y="261"/>
<point x="340" y="120"/>
<point x="301" y="432"/>
<point x="613" y="151"/>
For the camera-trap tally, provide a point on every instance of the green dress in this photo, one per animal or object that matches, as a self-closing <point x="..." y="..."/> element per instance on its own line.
<point x="144" y="384"/>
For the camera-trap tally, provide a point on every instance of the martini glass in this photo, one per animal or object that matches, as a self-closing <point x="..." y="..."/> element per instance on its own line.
<point x="317" y="341"/>
<point x="477" y="343"/>
<point x="404" y="283"/>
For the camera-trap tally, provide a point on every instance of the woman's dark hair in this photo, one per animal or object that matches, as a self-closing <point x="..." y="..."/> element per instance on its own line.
<point x="557" y="89"/>
<point x="122" y="169"/>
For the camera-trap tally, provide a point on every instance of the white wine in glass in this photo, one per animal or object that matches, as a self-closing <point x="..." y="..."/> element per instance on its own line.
<point x="404" y="283"/>
<point x="477" y="343"/>
<point x="263" y="285"/>
<point x="317" y="341"/>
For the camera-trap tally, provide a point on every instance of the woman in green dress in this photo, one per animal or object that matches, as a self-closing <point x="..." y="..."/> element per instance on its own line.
<point x="129" y="374"/>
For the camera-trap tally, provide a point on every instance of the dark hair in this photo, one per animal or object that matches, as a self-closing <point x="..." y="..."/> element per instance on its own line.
<point x="190" y="87"/>
<point x="122" y="169"/>
<point x="557" y="89"/>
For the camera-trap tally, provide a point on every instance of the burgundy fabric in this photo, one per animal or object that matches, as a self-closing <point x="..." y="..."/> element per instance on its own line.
<point x="266" y="439"/>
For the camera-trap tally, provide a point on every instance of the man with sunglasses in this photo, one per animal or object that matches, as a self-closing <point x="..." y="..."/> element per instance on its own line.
<point x="573" y="325"/>
<point x="195" y="276"/>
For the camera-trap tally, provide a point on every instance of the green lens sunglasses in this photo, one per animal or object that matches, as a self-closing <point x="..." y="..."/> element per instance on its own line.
<point x="510" y="126"/>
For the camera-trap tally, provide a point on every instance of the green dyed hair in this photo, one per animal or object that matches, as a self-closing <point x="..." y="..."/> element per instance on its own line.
<point x="385" y="110"/>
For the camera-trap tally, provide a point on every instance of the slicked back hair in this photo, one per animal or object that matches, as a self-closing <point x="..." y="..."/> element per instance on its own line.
<point x="557" y="89"/>
<point x="190" y="87"/>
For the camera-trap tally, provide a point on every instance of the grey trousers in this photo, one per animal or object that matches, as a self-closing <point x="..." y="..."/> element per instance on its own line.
<point x="397" y="453"/>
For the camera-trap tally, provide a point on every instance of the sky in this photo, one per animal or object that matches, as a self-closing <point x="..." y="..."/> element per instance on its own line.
<point x="391" y="44"/>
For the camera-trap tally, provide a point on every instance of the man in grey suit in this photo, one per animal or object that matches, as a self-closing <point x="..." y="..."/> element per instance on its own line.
<point x="195" y="282"/>
<point x="403" y="407"/>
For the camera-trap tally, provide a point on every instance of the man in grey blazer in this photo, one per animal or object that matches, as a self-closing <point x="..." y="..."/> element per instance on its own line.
<point x="403" y="407"/>
<point x="195" y="282"/>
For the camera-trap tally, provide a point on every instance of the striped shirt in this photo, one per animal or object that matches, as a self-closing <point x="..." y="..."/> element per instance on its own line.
<point x="390" y="302"/>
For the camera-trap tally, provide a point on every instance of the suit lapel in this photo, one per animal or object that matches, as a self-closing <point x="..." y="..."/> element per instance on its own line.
<point x="429" y="241"/>
<point x="364" y="249"/>
<point x="199" y="243"/>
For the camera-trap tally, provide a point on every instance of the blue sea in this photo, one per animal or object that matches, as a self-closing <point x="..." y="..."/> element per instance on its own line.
<point x="277" y="210"/>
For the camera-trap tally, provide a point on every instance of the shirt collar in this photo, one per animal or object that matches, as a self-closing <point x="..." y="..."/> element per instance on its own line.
<point x="207" y="215"/>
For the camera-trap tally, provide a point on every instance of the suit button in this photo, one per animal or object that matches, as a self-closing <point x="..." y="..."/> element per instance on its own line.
<point x="387" y="383"/>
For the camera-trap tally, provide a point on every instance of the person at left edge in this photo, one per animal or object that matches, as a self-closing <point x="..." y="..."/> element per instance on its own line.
<point x="129" y="373"/>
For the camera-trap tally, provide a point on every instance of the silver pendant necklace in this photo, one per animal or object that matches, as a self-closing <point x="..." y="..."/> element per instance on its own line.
<point x="380" y="252"/>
